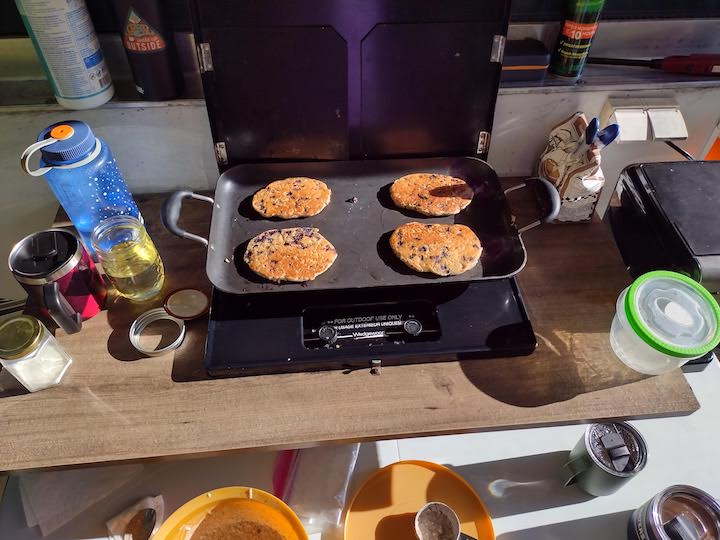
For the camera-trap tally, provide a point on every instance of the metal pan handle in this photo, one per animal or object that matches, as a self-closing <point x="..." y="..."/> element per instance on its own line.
<point x="553" y="195"/>
<point x="170" y="214"/>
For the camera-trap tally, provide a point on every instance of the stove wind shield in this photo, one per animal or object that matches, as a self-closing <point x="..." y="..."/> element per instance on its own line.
<point x="349" y="79"/>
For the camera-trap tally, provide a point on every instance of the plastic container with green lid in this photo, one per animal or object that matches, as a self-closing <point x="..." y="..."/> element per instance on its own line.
<point x="29" y="352"/>
<point x="663" y="320"/>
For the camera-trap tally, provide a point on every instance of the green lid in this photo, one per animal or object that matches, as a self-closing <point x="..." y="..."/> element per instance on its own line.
<point x="673" y="314"/>
<point x="19" y="336"/>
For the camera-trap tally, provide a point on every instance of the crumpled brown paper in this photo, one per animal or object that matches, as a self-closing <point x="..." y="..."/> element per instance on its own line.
<point x="577" y="176"/>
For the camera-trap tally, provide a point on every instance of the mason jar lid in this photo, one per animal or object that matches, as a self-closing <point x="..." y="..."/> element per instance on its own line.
<point x="673" y="314"/>
<point x="146" y="319"/>
<point x="19" y="336"/>
<point x="187" y="304"/>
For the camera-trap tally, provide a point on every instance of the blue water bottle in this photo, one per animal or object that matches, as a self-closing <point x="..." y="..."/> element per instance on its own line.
<point x="82" y="173"/>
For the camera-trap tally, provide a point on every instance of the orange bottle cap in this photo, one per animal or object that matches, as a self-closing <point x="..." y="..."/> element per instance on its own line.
<point x="62" y="132"/>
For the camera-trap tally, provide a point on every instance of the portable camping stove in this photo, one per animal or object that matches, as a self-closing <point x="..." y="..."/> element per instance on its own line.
<point x="344" y="80"/>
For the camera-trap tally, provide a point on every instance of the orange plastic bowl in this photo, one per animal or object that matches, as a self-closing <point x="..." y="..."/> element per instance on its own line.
<point x="267" y="508"/>
<point x="384" y="507"/>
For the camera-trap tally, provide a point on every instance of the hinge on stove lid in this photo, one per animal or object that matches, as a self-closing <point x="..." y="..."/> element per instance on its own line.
<point x="498" y="49"/>
<point x="221" y="153"/>
<point x="483" y="143"/>
<point x="204" y="57"/>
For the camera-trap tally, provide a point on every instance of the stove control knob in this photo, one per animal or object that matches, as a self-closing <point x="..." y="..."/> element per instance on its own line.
<point x="412" y="327"/>
<point x="328" y="334"/>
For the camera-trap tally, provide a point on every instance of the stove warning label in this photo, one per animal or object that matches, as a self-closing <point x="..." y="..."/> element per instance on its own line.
<point x="371" y="324"/>
<point x="364" y="322"/>
<point x="387" y="318"/>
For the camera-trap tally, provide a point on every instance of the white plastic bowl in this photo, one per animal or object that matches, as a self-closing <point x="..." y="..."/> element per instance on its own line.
<point x="667" y="320"/>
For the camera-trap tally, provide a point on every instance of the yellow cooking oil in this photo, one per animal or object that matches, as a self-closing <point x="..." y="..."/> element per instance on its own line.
<point x="135" y="269"/>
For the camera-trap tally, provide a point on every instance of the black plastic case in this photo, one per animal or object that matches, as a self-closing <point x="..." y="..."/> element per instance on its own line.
<point x="670" y="219"/>
<point x="525" y="60"/>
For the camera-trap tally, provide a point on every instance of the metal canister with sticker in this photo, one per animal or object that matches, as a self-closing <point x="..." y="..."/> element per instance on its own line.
<point x="576" y="36"/>
<point x="148" y="39"/>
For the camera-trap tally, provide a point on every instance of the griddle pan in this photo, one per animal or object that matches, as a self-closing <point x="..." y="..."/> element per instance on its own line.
<point x="358" y="222"/>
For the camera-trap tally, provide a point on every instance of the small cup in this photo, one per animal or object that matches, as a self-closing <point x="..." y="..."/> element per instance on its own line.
<point x="437" y="518"/>
<point x="59" y="276"/>
<point x="607" y="457"/>
<point x="678" y="512"/>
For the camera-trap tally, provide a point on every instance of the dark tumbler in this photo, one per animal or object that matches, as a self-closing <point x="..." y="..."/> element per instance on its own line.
<point x="147" y="36"/>
<point x="59" y="276"/>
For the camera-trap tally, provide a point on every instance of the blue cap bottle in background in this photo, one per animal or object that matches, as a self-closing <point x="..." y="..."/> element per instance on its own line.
<point x="82" y="173"/>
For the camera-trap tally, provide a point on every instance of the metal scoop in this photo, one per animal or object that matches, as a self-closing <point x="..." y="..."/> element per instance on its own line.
<point x="141" y="526"/>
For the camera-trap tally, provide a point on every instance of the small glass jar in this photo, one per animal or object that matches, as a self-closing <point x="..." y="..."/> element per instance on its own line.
<point x="30" y="353"/>
<point x="129" y="257"/>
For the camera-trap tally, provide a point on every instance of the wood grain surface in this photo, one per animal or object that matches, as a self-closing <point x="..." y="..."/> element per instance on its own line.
<point x="115" y="405"/>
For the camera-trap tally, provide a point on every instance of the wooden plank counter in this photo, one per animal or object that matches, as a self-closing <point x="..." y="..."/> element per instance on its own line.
<point x="115" y="405"/>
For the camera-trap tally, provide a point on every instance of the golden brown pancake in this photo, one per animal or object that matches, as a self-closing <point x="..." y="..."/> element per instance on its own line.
<point x="445" y="250"/>
<point x="294" y="254"/>
<point x="431" y="194"/>
<point x="292" y="198"/>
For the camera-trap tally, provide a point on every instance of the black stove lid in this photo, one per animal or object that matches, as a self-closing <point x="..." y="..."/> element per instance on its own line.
<point x="688" y="193"/>
<point x="294" y="80"/>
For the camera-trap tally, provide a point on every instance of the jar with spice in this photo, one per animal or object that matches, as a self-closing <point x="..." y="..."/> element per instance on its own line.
<point x="30" y="353"/>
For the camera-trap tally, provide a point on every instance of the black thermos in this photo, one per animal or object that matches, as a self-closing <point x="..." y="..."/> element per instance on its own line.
<point x="147" y="36"/>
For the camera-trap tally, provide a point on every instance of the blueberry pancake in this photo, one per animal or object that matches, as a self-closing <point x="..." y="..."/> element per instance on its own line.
<point x="431" y="194"/>
<point x="292" y="198"/>
<point x="296" y="254"/>
<point x="445" y="250"/>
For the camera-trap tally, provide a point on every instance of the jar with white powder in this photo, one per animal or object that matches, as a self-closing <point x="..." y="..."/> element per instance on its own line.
<point x="29" y="352"/>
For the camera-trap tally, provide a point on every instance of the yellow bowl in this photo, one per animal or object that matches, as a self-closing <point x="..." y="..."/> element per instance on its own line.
<point x="384" y="507"/>
<point x="183" y="522"/>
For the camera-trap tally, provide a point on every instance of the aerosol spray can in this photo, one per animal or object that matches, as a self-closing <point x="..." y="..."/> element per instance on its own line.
<point x="65" y="41"/>
<point x="576" y="35"/>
